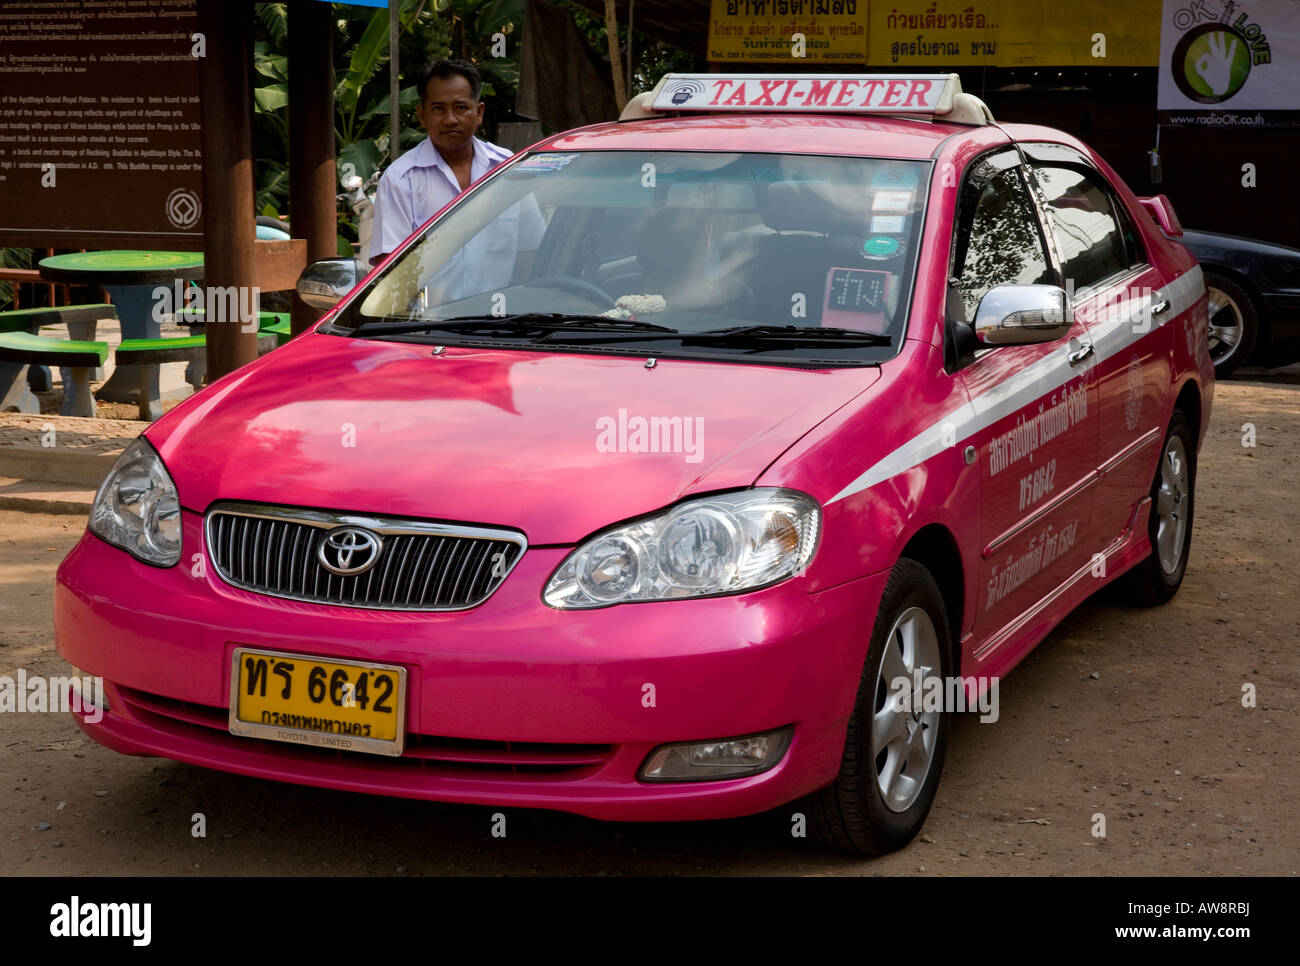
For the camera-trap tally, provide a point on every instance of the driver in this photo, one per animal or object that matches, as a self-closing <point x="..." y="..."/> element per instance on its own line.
<point x="677" y="250"/>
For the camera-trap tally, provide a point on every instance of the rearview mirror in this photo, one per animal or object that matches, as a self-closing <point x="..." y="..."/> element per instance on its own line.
<point x="1023" y="315"/>
<point x="322" y="284"/>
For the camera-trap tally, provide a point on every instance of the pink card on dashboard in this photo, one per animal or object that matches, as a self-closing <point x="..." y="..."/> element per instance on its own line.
<point x="855" y="299"/>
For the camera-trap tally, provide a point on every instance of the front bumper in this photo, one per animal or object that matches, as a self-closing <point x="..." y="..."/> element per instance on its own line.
<point x="510" y="703"/>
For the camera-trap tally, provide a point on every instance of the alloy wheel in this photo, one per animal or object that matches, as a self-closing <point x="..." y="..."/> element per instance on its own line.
<point x="1227" y="325"/>
<point x="903" y="732"/>
<point x="1172" y="504"/>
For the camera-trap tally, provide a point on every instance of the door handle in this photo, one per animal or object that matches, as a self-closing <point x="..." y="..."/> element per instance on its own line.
<point x="1160" y="307"/>
<point x="1079" y="354"/>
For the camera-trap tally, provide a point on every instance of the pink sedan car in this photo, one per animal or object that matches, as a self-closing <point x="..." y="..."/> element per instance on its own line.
<point x="684" y="467"/>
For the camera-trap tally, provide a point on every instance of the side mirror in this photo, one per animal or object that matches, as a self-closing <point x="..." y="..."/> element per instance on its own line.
<point x="322" y="284"/>
<point x="1023" y="315"/>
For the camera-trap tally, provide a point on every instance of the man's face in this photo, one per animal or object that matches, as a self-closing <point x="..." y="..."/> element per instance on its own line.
<point x="450" y="113"/>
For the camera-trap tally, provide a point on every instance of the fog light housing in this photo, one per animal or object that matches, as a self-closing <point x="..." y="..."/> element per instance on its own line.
<point x="697" y="761"/>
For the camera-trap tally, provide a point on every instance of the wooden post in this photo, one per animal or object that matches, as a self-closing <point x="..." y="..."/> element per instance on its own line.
<point x="229" y="225"/>
<point x="394" y="80"/>
<point x="631" y="41"/>
<point x="313" y="183"/>
<point x="615" y="62"/>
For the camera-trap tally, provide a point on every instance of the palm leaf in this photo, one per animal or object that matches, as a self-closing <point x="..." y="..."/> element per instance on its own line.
<point x="275" y="20"/>
<point x="493" y="16"/>
<point x="274" y="66"/>
<point x="503" y="69"/>
<point x="273" y="187"/>
<point x="13" y="258"/>
<point x="364" y="156"/>
<point x="271" y="98"/>
<point x="370" y="53"/>
<point x="407" y="98"/>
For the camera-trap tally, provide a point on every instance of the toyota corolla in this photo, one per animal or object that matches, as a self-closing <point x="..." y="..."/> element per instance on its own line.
<point x="669" y="471"/>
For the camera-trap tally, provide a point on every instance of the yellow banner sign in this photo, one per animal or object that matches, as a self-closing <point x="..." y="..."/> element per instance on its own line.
<point x="788" y="31"/>
<point x="934" y="34"/>
<point x="1015" y="33"/>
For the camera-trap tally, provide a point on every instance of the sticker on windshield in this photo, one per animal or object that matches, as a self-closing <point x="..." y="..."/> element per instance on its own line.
<point x="544" y="162"/>
<point x="887" y="224"/>
<point x="880" y="246"/>
<point x="855" y="299"/>
<point x="891" y="201"/>
<point x="899" y="176"/>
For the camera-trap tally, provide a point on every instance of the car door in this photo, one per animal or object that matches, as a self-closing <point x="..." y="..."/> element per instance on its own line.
<point x="1118" y="295"/>
<point x="1035" y="408"/>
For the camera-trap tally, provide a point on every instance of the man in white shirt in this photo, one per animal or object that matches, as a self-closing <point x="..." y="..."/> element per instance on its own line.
<point x="425" y="179"/>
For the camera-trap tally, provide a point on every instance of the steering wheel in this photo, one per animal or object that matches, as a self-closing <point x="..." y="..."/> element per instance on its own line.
<point x="574" y="285"/>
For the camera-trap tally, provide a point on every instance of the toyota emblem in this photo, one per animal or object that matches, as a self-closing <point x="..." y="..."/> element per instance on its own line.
<point x="348" y="551"/>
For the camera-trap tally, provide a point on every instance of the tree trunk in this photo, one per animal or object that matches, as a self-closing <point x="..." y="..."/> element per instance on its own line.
<point x="615" y="62"/>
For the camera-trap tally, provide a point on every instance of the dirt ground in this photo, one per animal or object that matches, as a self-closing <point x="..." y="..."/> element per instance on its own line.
<point x="1136" y="714"/>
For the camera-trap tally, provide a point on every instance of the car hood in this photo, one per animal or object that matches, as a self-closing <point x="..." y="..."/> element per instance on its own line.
<point x="555" y="444"/>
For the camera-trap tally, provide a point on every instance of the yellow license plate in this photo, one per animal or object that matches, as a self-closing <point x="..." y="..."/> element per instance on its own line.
<point x="311" y="701"/>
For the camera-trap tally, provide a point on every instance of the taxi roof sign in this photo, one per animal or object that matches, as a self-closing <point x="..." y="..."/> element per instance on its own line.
<point x="938" y="95"/>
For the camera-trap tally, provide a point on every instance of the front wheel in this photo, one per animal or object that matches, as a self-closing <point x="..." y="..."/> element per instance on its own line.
<point x="894" y="749"/>
<point x="1156" y="579"/>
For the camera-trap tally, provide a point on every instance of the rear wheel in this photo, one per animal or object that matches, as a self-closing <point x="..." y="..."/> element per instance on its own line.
<point x="1156" y="579"/>
<point x="1234" y="324"/>
<point x="894" y="749"/>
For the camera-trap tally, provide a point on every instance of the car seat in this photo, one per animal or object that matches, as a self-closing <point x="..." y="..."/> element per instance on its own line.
<point x="815" y="226"/>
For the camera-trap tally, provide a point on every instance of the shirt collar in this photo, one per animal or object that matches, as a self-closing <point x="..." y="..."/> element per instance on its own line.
<point x="427" y="156"/>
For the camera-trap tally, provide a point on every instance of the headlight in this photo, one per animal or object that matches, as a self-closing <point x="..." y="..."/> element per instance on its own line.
<point x="703" y="547"/>
<point x="137" y="509"/>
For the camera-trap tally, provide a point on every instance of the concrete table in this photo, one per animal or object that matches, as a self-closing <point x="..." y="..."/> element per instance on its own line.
<point x="131" y="278"/>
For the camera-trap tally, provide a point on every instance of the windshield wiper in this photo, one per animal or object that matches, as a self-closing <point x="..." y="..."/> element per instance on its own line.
<point x="758" y="337"/>
<point x="558" y="326"/>
<point x="520" y="322"/>
<point x="791" y="333"/>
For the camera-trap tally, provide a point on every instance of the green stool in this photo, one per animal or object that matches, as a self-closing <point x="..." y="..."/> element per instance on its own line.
<point x="16" y="393"/>
<point x="77" y="359"/>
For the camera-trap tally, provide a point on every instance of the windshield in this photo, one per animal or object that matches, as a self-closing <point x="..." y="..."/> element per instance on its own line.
<point x="767" y="248"/>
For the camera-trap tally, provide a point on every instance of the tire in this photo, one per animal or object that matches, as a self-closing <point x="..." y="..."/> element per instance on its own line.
<point x="1234" y="324"/>
<point x="1157" y="578"/>
<point x="853" y="814"/>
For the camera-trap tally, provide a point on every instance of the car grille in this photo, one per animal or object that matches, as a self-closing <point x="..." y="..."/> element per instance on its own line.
<point x="419" y="565"/>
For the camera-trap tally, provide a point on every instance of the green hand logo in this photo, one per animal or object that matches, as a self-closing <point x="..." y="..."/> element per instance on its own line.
<point x="1211" y="63"/>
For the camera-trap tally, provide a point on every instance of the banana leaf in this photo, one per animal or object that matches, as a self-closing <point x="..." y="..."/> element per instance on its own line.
<point x="271" y="98"/>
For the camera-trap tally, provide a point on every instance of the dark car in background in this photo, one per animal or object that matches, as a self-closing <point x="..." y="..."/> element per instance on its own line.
<point x="1254" y="292"/>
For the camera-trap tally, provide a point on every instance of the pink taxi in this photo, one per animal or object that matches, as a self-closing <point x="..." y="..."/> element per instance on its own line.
<point x="670" y="471"/>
